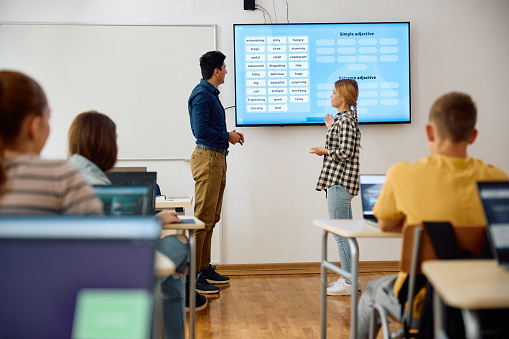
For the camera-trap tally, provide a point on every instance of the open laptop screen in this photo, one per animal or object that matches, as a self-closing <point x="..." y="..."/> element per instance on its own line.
<point x="495" y="200"/>
<point x="371" y="186"/>
<point x="124" y="200"/>
<point x="137" y="179"/>
<point x="47" y="262"/>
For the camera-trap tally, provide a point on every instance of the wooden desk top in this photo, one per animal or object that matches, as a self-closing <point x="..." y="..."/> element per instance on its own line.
<point x="170" y="202"/>
<point x="163" y="266"/>
<point x="357" y="228"/>
<point x="471" y="284"/>
<point x="198" y="224"/>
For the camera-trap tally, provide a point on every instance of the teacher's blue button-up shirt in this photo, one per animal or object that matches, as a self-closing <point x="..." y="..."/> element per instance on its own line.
<point x="208" y="121"/>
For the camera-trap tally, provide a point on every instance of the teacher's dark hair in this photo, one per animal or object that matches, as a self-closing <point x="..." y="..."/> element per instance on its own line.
<point x="20" y="98"/>
<point x="209" y="62"/>
<point x="93" y="135"/>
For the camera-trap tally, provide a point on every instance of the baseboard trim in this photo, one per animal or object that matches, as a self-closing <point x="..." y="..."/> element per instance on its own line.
<point x="301" y="268"/>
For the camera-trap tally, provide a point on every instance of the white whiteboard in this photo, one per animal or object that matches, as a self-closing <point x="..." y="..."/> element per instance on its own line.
<point x="140" y="76"/>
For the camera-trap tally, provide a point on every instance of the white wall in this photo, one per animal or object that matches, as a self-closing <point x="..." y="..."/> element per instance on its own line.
<point x="270" y="200"/>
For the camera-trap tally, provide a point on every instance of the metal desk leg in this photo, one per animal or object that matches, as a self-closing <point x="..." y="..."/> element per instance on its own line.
<point x="158" y="310"/>
<point x="353" y="276"/>
<point x="192" y="283"/>
<point x="354" y="249"/>
<point x="439" y="316"/>
<point x="323" y="292"/>
<point x="472" y="324"/>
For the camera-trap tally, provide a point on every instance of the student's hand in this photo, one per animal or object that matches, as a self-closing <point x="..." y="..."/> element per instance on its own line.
<point x="235" y="137"/>
<point x="168" y="217"/>
<point x="329" y="119"/>
<point x="319" y="150"/>
<point x="392" y="225"/>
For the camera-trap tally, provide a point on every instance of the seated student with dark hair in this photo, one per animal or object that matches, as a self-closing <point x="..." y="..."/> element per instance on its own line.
<point x="93" y="149"/>
<point x="440" y="187"/>
<point x="28" y="184"/>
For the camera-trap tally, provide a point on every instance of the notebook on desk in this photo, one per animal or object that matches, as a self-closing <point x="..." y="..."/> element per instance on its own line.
<point x="124" y="200"/>
<point x="137" y="179"/>
<point x="371" y="186"/>
<point x="495" y="200"/>
<point x="63" y="276"/>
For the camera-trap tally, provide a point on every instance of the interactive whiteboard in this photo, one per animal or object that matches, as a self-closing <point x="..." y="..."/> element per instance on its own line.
<point x="285" y="73"/>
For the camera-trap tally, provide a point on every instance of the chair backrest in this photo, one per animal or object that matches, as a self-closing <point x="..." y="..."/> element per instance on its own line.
<point x="470" y="238"/>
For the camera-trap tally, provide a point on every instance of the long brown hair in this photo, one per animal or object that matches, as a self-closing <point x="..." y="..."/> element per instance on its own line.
<point x="94" y="136"/>
<point x="20" y="98"/>
<point x="349" y="90"/>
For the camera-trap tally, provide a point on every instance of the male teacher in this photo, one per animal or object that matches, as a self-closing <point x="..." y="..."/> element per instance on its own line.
<point x="208" y="162"/>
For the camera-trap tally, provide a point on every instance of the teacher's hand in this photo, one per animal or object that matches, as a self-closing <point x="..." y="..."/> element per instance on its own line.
<point x="319" y="150"/>
<point x="235" y="137"/>
<point x="329" y="119"/>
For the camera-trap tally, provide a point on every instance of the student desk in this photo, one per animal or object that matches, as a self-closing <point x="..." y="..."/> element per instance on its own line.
<point x="177" y="204"/>
<point x="169" y="229"/>
<point x="350" y="230"/>
<point x="454" y="286"/>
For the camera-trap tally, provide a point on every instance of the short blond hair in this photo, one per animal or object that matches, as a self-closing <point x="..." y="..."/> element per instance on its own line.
<point x="455" y="116"/>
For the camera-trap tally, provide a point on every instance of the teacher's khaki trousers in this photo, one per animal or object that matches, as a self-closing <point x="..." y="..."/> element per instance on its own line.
<point x="209" y="173"/>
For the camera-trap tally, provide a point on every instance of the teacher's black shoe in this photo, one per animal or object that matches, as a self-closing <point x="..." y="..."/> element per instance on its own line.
<point x="213" y="277"/>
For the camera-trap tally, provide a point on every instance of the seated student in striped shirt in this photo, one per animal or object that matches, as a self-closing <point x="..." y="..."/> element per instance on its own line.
<point x="29" y="184"/>
<point x="93" y="149"/>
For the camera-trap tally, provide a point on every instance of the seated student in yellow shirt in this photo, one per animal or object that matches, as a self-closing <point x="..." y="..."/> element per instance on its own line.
<point x="440" y="187"/>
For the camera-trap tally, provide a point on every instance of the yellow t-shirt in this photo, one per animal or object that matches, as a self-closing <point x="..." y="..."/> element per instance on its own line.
<point x="435" y="188"/>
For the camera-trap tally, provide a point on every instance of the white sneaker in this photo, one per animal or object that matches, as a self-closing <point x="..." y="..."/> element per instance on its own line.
<point x="339" y="287"/>
<point x="337" y="282"/>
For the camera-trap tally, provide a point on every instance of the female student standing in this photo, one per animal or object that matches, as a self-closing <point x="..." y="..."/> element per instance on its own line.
<point x="93" y="149"/>
<point x="28" y="184"/>
<point x="340" y="171"/>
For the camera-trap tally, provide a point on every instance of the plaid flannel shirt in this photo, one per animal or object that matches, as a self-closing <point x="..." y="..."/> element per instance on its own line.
<point x="341" y="165"/>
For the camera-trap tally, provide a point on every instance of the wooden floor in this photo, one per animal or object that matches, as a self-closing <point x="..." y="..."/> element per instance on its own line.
<point x="275" y="306"/>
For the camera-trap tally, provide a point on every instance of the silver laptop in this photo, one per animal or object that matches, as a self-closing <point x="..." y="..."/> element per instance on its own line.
<point x="495" y="200"/>
<point x="371" y="186"/>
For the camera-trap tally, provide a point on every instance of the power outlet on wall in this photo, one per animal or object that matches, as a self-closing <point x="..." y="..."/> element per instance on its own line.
<point x="249" y="5"/>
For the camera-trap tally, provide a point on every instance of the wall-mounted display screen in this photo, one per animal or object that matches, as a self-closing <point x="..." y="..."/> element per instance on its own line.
<point x="285" y="73"/>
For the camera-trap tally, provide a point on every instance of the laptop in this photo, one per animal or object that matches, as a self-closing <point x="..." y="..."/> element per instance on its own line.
<point x="495" y="200"/>
<point x="371" y="186"/>
<point x="63" y="277"/>
<point x="124" y="200"/>
<point x="137" y="179"/>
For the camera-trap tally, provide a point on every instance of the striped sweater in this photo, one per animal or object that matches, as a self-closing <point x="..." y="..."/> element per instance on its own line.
<point x="46" y="187"/>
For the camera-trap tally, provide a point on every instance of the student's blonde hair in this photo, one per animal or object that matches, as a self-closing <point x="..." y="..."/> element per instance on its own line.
<point x="454" y="115"/>
<point x="349" y="90"/>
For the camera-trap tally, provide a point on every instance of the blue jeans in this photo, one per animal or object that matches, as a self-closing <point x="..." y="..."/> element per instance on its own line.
<point x="174" y="312"/>
<point x="339" y="203"/>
